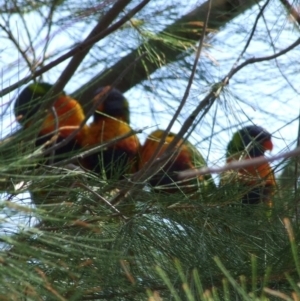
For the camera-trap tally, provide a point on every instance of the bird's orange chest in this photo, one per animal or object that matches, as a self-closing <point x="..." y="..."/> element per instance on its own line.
<point x="108" y="129"/>
<point x="66" y="119"/>
<point x="180" y="160"/>
<point x="254" y="174"/>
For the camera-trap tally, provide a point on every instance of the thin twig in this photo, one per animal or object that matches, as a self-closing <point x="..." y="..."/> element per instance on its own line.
<point x="24" y="25"/>
<point x="251" y="33"/>
<point x="277" y="294"/>
<point x="272" y="44"/>
<point x="48" y="23"/>
<point x="262" y="59"/>
<point x="102" y="199"/>
<point x="17" y="45"/>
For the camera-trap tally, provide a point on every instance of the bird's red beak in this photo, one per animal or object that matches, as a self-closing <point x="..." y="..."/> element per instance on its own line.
<point x="268" y="145"/>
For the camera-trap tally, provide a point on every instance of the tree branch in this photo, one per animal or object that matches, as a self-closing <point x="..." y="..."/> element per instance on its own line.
<point x="234" y="165"/>
<point x="222" y="11"/>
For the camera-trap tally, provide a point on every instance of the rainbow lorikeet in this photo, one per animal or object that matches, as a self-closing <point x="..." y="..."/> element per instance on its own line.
<point x="111" y="121"/>
<point x="58" y="124"/>
<point x="186" y="157"/>
<point x="66" y="119"/>
<point x="259" y="181"/>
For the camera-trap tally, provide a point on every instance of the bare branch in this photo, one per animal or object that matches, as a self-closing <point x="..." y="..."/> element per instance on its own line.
<point x="234" y="165"/>
<point x="291" y="10"/>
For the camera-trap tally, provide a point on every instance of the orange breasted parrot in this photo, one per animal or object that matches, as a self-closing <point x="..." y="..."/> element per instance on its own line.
<point x="186" y="157"/>
<point x="28" y="102"/>
<point x="251" y="142"/>
<point x="67" y="118"/>
<point x="110" y="121"/>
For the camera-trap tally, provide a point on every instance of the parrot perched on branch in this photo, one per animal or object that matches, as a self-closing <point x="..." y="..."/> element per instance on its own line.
<point x="185" y="156"/>
<point x="111" y="122"/>
<point x="65" y="118"/>
<point x="29" y="101"/>
<point x="259" y="181"/>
